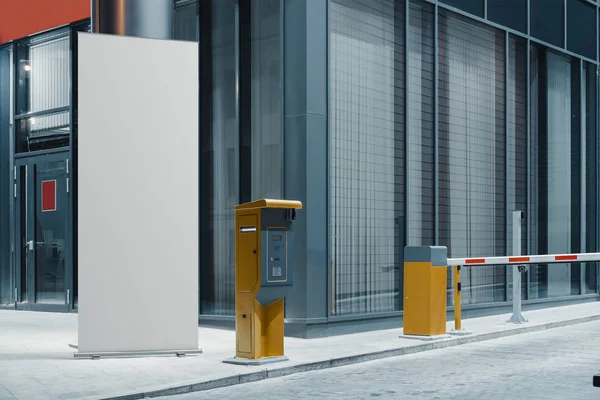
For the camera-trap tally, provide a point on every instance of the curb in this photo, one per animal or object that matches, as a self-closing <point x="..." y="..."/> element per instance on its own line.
<point x="347" y="360"/>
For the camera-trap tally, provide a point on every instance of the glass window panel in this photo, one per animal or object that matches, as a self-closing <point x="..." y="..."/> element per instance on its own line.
<point x="43" y="89"/>
<point x="581" y="28"/>
<point x="591" y="174"/>
<point x="220" y="155"/>
<point x="558" y="154"/>
<point x="267" y="104"/>
<point x="43" y="73"/>
<point x="558" y="166"/>
<point x="510" y="13"/>
<point x="42" y="132"/>
<point x="421" y="160"/>
<point x="537" y="274"/>
<point x="185" y="21"/>
<point x="475" y="7"/>
<point x="366" y="154"/>
<point x="472" y="135"/>
<point x="548" y="21"/>
<point x="517" y="148"/>
<point x="51" y="233"/>
<point x="6" y="106"/>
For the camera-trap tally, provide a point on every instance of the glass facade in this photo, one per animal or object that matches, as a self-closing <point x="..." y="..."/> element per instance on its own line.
<point x="471" y="148"/>
<point x="366" y="154"/>
<point x="43" y="92"/>
<point x="563" y="173"/>
<point x="590" y="140"/>
<point x="266" y="99"/>
<point x="509" y="13"/>
<point x="439" y="126"/>
<point x="516" y="142"/>
<point x="483" y="139"/>
<point x="242" y="126"/>
<point x="36" y="92"/>
<point x="548" y="21"/>
<point x="6" y="131"/>
<point x="220" y="165"/>
<point x="420" y="134"/>
<point x="185" y="20"/>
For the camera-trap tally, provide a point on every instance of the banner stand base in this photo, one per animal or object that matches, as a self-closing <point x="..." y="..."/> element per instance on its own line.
<point x="133" y="354"/>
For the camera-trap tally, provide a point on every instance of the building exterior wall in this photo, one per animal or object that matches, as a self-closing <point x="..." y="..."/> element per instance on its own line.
<point x="487" y="128"/>
<point x="432" y="137"/>
<point x="417" y="122"/>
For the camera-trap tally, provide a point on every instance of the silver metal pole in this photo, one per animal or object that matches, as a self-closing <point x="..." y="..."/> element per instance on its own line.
<point x="517" y="317"/>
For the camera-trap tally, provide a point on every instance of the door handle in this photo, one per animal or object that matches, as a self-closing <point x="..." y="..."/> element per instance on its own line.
<point x="29" y="245"/>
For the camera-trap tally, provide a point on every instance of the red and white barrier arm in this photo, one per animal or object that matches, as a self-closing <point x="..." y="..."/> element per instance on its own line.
<point x="537" y="259"/>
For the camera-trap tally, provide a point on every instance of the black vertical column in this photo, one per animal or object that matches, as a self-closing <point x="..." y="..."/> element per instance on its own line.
<point x="542" y="278"/>
<point x="591" y="160"/>
<point x="575" y="171"/>
<point x="207" y="261"/>
<point x="245" y="99"/>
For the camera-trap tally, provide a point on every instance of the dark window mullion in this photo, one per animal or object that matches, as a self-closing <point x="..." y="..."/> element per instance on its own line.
<point x="207" y="261"/>
<point x="245" y="100"/>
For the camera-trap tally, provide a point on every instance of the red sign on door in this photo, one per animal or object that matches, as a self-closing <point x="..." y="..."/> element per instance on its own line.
<point x="49" y="196"/>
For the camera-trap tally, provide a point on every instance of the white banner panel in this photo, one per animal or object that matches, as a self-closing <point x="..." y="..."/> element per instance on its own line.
<point x="138" y="194"/>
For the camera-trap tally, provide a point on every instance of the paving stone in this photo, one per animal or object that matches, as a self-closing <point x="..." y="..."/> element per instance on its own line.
<point x="35" y="359"/>
<point x="555" y="364"/>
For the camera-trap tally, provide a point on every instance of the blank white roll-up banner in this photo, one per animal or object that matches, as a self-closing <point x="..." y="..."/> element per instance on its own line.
<point x="137" y="196"/>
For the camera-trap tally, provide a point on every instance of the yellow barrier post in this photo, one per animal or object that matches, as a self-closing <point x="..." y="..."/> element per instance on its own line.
<point x="457" y="287"/>
<point x="425" y="282"/>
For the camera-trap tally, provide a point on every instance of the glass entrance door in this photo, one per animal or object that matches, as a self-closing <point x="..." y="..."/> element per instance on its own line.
<point x="43" y="240"/>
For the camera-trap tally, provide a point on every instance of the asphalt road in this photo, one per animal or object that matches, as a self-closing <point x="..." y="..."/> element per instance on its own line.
<point x="554" y="364"/>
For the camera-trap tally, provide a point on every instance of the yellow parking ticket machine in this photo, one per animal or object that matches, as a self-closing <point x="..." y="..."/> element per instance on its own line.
<point x="263" y="277"/>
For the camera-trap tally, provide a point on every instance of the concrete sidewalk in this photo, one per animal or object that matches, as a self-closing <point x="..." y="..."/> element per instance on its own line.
<point x="36" y="362"/>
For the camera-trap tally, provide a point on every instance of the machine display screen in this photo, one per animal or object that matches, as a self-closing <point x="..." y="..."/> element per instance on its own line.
<point x="276" y="255"/>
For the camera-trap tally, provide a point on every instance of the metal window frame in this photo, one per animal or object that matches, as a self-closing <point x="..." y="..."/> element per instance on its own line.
<point x="330" y="297"/>
<point x="528" y="152"/>
<point x="507" y="240"/>
<point x="436" y="125"/>
<point x="563" y="50"/>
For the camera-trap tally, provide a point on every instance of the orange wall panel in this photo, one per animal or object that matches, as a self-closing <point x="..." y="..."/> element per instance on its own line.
<point x="20" y="18"/>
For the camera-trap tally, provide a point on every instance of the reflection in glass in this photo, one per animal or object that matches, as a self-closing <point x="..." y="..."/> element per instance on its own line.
<point x="472" y="174"/>
<point x="538" y="274"/>
<point x="590" y="142"/>
<point x="43" y="73"/>
<point x="185" y="21"/>
<point x="421" y="159"/>
<point x="43" y="92"/>
<point x="267" y="105"/>
<point x="50" y="232"/>
<point x="24" y="236"/>
<point x="43" y="132"/>
<point x="220" y="155"/>
<point x="366" y="154"/>
<point x="557" y="166"/>
<point x="6" y="105"/>
<point x="561" y="152"/>
<point x="516" y="198"/>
